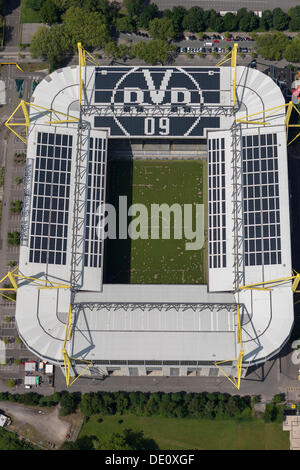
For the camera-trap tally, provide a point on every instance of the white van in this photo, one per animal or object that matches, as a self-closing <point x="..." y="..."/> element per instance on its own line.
<point x="208" y="44"/>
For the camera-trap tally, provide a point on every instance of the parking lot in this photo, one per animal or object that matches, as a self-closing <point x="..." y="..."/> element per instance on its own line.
<point x="214" y="43"/>
<point x="13" y="351"/>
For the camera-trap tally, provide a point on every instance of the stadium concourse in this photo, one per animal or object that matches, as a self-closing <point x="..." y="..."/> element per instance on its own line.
<point x="128" y="329"/>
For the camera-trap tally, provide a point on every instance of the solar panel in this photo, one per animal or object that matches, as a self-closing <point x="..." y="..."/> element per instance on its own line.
<point x="49" y="221"/>
<point x="95" y="198"/>
<point x="261" y="200"/>
<point x="216" y="203"/>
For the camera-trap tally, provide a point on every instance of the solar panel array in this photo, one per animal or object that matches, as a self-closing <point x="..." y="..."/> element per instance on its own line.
<point x="261" y="200"/>
<point x="216" y="203"/>
<point x="95" y="199"/>
<point x="51" y="192"/>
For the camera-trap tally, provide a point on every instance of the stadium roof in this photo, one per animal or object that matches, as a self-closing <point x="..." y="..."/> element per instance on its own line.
<point x="249" y="231"/>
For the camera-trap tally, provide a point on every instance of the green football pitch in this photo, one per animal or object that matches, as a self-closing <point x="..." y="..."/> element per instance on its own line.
<point x="156" y="261"/>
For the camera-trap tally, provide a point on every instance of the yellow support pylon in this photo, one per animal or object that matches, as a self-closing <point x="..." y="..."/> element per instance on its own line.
<point x="25" y="106"/>
<point x="83" y="56"/>
<point x="267" y="113"/>
<point x="232" y="57"/>
<point x="67" y="358"/>
<point x="12" y="63"/>
<point x="14" y="275"/>
<point x="275" y="282"/>
<point x="236" y="381"/>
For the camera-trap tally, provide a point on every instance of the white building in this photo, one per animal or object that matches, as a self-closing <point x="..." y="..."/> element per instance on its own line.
<point x="142" y="329"/>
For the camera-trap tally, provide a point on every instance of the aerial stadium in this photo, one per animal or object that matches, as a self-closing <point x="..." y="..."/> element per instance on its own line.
<point x="231" y="307"/>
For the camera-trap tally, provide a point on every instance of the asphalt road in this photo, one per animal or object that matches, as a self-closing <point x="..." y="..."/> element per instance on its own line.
<point x="12" y="22"/>
<point x="228" y="5"/>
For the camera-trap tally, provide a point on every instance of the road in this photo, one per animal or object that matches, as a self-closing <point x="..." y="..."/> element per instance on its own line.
<point x="228" y="5"/>
<point x="12" y="23"/>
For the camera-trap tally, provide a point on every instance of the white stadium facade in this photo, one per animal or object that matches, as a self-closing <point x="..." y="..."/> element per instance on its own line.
<point x="169" y="330"/>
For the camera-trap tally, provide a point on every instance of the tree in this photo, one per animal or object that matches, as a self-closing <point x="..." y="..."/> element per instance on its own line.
<point x="210" y="20"/>
<point x="133" y="7"/>
<point x="10" y="441"/>
<point x="49" y="12"/>
<point x="272" y="46"/>
<point x="50" y="43"/>
<point x="245" y="23"/>
<point x="241" y="13"/>
<point x="279" y="398"/>
<point x="254" y="22"/>
<point x="230" y="22"/>
<point x="149" y="13"/>
<point x="124" y="24"/>
<point x="153" y="52"/>
<point x="161" y="28"/>
<point x="89" y="28"/>
<point x="13" y="238"/>
<point x="68" y="403"/>
<point x="16" y="206"/>
<point x="280" y="19"/>
<point x="35" y="5"/>
<point x="219" y="25"/>
<point x="194" y="20"/>
<point x="11" y="383"/>
<point x="267" y="19"/>
<point x="294" y="14"/>
<point x="178" y="14"/>
<point x="127" y="440"/>
<point x="270" y="413"/>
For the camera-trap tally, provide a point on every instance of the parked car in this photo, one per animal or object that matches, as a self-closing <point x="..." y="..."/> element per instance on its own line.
<point x="216" y="41"/>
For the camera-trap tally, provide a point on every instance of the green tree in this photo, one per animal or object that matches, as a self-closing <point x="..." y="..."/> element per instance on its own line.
<point x="124" y="24"/>
<point x="230" y="22"/>
<point x="89" y="28"/>
<point x="68" y="403"/>
<point x="219" y="25"/>
<point x="280" y="19"/>
<point x="35" y="5"/>
<point x="149" y="13"/>
<point x="194" y="20"/>
<point x="10" y="441"/>
<point x="294" y="14"/>
<point x="267" y="20"/>
<point x="279" y="398"/>
<point x="13" y="238"/>
<point x="270" y="413"/>
<point x="49" y="12"/>
<point x="178" y="14"/>
<point x="162" y="28"/>
<point x="272" y="46"/>
<point x="127" y="440"/>
<point x="133" y="7"/>
<point x="155" y="51"/>
<point x="50" y="43"/>
<point x="11" y="383"/>
<point x="292" y="50"/>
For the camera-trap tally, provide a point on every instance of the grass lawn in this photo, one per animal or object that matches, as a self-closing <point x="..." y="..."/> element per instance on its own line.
<point x="162" y="261"/>
<point x="175" y="434"/>
<point x="28" y="15"/>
